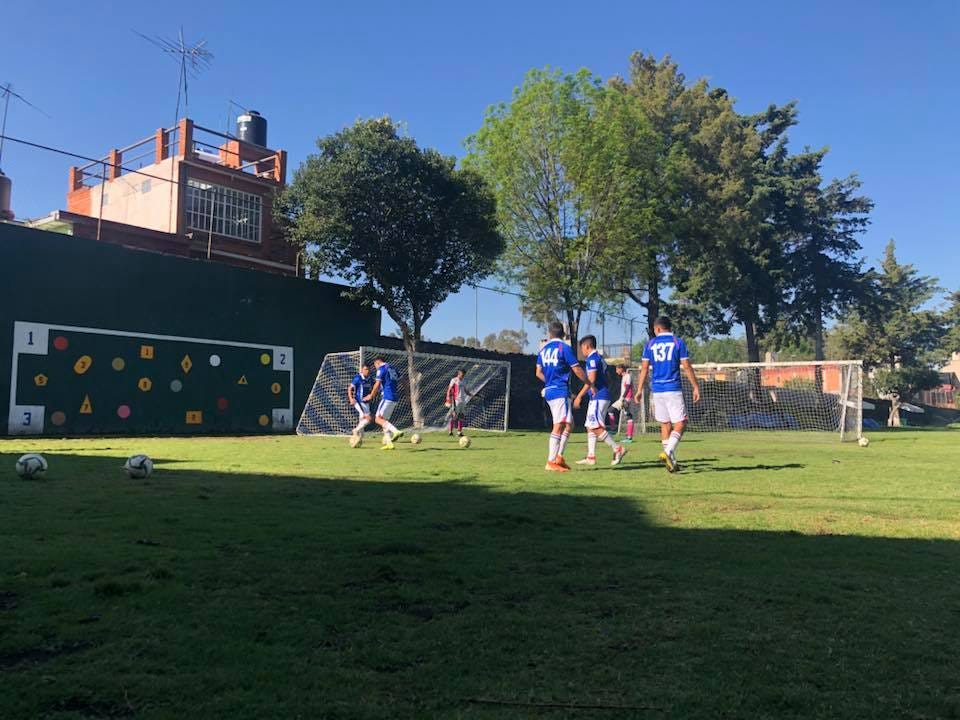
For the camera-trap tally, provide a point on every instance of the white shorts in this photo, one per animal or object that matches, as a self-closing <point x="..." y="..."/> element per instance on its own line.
<point x="362" y="408"/>
<point x="385" y="409"/>
<point x="562" y="410"/>
<point x="596" y="414"/>
<point x="669" y="407"/>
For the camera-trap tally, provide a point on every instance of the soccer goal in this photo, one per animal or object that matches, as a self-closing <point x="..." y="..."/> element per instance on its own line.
<point x="486" y="386"/>
<point x="825" y="396"/>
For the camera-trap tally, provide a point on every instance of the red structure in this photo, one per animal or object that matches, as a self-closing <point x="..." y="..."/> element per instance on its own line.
<point x="186" y="191"/>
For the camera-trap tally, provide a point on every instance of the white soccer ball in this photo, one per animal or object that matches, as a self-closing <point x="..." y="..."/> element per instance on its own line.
<point x="864" y="441"/>
<point x="356" y="440"/>
<point x="138" y="466"/>
<point x="415" y="439"/>
<point x="31" y="465"/>
<point x="464" y="442"/>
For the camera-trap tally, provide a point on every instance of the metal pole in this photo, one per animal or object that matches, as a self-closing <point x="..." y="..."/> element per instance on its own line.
<point x="210" y="229"/>
<point x="476" y="314"/>
<point x="631" y="341"/>
<point x="103" y="189"/>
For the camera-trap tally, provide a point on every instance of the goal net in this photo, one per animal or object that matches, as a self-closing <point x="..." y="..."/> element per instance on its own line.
<point x="825" y="396"/>
<point x="486" y="387"/>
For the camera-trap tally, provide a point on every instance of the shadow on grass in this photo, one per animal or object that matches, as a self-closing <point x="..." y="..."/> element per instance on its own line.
<point x="319" y="597"/>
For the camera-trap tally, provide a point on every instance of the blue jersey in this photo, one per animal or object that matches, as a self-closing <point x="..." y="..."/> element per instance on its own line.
<point x="361" y="386"/>
<point x="664" y="353"/>
<point x="388" y="381"/>
<point x="597" y="364"/>
<point x="555" y="359"/>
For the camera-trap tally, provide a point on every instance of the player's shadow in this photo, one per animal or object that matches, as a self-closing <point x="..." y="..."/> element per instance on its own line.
<point x="213" y="594"/>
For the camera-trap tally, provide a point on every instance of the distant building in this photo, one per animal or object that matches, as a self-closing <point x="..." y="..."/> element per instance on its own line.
<point x="186" y="191"/>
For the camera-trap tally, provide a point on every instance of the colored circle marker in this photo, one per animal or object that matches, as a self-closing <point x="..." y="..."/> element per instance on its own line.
<point x="176" y="385"/>
<point x="263" y="420"/>
<point x="58" y="417"/>
<point x="214" y="361"/>
<point x="118" y="364"/>
<point x="275" y="388"/>
<point x="222" y="403"/>
<point x="265" y="359"/>
<point x="123" y="412"/>
<point x="61" y="343"/>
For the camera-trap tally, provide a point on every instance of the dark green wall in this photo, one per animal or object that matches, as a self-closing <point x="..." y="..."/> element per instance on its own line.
<point x="57" y="279"/>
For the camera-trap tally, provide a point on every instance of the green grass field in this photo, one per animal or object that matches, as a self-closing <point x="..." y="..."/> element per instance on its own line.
<point x="780" y="576"/>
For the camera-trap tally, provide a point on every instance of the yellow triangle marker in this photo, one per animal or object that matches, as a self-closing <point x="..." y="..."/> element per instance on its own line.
<point x="242" y="380"/>
<point x="86" y="408"/>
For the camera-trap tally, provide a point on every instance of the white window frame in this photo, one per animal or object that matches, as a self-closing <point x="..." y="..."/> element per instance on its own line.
<point x="233" y="213"/>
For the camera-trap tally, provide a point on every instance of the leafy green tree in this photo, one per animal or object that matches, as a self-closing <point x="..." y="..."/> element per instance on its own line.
<point x="951" y="325"/>
<point x="718" y="350"/>
<point x="824" y="271"/>
<point x="894" y="332"/>
<point x="543" y="156"/>
<point x="902" y="383"/>
<point x="400" y="223"/>
<point x="505" y="341"/>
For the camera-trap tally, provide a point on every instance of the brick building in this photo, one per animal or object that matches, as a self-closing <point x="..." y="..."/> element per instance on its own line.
<point x="186" y="191"/>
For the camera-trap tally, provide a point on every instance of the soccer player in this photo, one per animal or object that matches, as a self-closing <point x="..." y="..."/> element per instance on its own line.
<point x="599" y="402"/>
<point x="456" y="401"/>
<point x="357" y="390"/>
<point x="664" y="357"/>
<point x="626" y="399"/>
<point x="387" y="382"/>
<point x="555" y="361"/>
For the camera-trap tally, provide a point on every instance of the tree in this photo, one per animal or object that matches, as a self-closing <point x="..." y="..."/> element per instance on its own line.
<point x="541" y="155"/>
<point x="824" y="271"/>
<point x="894" y="333"/>
<point x="951" y="324"/>
<point x="900" y="383"/>
<point x="401" y="224"/>
<point x="506" y="341"/>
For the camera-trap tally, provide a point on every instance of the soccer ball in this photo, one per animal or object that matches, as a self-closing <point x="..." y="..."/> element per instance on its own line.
<point x="356" y="441"/>
<point x="415" y="439"/>
<point x="31" y="466"/>
<point x="138" y="466"/>
<point x="864" y="441"/>
<point x="464" y="442"/>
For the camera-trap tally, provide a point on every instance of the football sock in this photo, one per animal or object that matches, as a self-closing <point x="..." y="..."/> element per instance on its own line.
<point x="563" y="443"/>
<point x="630" y="429"/>
<point x="459" y="425"/>
<point x="358" y="430"/>
<point x="671" y="445"/>
<point x="390" y="427"/>
<point x="608" y="440"/>
<point x="554" y="448"/>
<point x="591" y="445"/>
<point x="451" y="424"/>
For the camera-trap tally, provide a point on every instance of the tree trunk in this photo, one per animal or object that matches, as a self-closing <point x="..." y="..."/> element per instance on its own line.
<point x="818" y="349"/>
<point x="653" y="305"/>
<point x="413" y="378"/>
<point x="753" y="346"/>
<point x="893" y="419"/>
<point x="573" y="328"/>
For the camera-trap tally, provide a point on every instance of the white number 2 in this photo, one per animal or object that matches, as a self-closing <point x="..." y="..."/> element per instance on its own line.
<point x="663" y="351"/>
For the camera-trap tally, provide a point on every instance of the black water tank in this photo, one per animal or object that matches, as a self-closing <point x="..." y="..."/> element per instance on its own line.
<point x="252" y="128"/>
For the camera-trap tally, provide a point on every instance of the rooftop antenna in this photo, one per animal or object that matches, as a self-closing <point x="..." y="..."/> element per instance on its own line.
<point x="191" y="59"/>
<point x="6" y="92"/>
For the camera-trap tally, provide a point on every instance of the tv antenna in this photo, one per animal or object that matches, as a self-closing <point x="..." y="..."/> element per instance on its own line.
<point x="191" y="59"/>
<point x="6" y="92"/>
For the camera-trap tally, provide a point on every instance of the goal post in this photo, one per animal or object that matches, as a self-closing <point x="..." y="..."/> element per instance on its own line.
<point x="486" y="386"/>
<point x="825" y="396"/>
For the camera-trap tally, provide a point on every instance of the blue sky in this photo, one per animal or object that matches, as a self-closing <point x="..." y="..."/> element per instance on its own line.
<point x="876" y="82"/>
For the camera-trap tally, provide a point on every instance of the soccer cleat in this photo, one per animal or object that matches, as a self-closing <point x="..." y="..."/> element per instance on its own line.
<point x="676" y="465"/>
<point x="397" y="435"/>
<point x="618" y="455"/>
<point x="562" y="463"/>
<point x="388" y="446"/>
<point x="554" y="467"/>
<point x="587" y="461"/>
<point x="627" y="440"/>
<point x="668" y="462"/>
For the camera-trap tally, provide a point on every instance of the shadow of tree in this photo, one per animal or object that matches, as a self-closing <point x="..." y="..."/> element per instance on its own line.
<point x="297" y="596"/>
